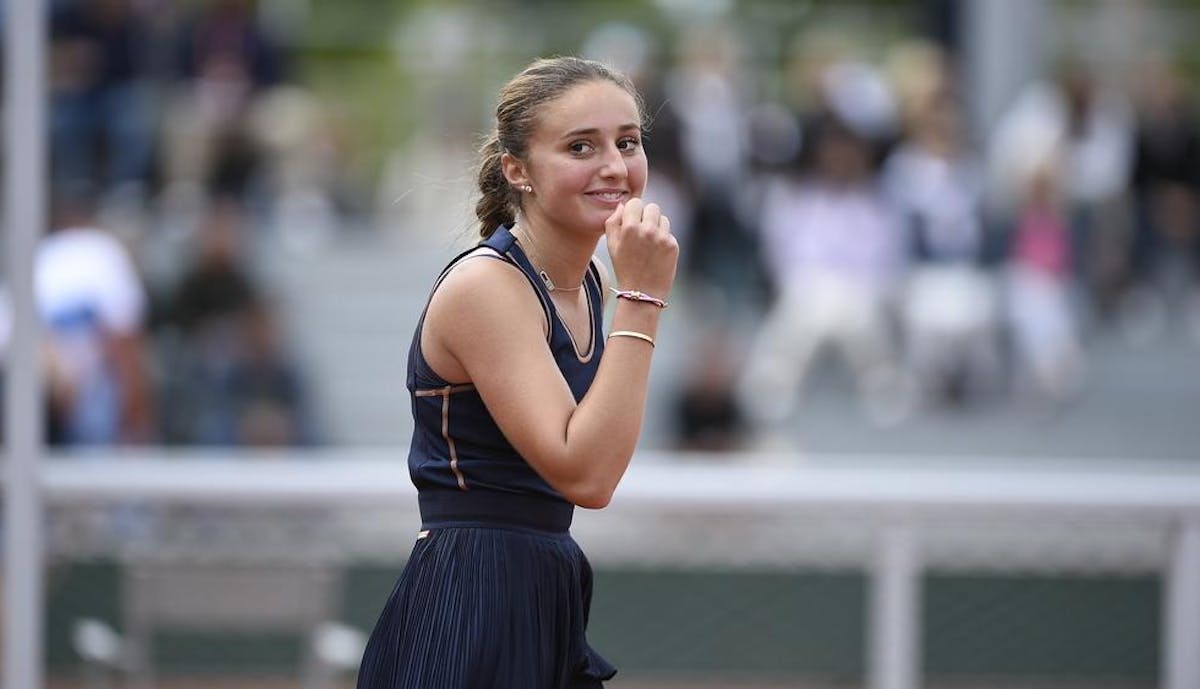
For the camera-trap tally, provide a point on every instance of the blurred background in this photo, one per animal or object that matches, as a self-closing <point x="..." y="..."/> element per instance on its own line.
<point x="925" y="233"/>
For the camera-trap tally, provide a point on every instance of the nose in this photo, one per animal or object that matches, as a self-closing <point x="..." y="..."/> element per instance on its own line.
<point x="613" y="164"/>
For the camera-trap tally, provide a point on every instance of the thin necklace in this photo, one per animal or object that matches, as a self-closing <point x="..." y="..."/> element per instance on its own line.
<point x="550" y="286"/>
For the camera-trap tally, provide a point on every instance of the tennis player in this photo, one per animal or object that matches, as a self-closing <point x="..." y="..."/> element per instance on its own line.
<point x="523" y="408"/>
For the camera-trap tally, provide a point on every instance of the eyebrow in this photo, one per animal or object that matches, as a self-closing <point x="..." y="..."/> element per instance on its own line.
<point x="594" y="130"/>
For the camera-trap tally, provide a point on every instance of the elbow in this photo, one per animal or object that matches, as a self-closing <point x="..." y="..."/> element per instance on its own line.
<point x="589" y="484"/>
<point x="591" y="496"/>
<point x="595" y="501"/>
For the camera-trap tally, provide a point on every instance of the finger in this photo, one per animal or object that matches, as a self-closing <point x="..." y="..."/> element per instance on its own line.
<point x="651" y="214"/>
<point x="664" y="225"/>
<point x="614" y="220"/>
<point x="633" y="212"/>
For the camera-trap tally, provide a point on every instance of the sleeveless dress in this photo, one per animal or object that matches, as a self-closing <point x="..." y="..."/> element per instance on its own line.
<point x="496" y="592"/>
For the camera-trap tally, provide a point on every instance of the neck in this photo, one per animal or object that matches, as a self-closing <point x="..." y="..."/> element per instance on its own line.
<point x="561" y="257"/>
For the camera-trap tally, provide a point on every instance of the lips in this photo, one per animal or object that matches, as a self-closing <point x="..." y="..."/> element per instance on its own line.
<point x="609" y="195"/>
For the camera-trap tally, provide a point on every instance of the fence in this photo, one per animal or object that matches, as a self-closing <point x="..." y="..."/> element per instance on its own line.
<point x="895" y="518"/>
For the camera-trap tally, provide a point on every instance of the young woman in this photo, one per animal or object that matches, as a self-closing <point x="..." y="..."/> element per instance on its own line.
<point x="523" y="409"/>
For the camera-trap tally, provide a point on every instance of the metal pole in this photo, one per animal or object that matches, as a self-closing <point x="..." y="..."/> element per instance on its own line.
<point x="895" y="629"/>
<point x="995" y="70"/>
<point x="25" y="174"/>
<point x="1181" y="610"/>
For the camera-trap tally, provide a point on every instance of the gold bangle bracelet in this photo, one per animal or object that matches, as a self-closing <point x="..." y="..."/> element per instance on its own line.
<point x="632" y="333"/>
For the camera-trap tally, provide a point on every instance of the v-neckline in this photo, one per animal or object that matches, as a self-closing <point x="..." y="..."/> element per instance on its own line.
<point x="585" y="357"/>
<point x="587" y="296"/>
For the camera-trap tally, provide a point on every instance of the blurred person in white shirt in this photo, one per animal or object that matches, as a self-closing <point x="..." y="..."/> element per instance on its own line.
<point x="948" y="310"/>
<point x="92" y="302"/>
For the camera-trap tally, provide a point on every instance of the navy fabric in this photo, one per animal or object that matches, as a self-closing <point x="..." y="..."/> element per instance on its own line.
<point x="441" y="509"/>
<point x="487" y="608"/>
<point x="496" y="593"/>
<point x="456" y="445"/>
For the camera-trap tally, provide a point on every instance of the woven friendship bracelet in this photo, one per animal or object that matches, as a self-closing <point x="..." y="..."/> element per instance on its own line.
<point x="632" y="333"/>
<point x="635" y="295"/>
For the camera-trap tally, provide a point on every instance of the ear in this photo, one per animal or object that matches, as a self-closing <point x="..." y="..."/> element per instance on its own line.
<point x="514" y="170"/>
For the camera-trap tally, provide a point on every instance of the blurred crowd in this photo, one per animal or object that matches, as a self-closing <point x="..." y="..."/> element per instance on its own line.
<point x="852" y="207"/>
<point x="856" y="212"/>
<point x="165" y="120"/>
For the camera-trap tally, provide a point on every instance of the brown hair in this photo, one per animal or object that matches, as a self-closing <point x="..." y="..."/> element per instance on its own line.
<point x="516" y="118"/>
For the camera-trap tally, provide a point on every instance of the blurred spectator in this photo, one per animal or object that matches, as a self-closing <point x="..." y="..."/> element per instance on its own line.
<point x="827" y="78"/>
<point x="92" y="302"/>
<point x="206" y="309"/>
<point x="1039" y="292"/>
<point x="706" y="93"/>
<point x="1089" y="130"/>
<point x="948" y="310"/>
<point x="707" y="415"/>
<point x="304" y="171"/>
<point x="1165" y="256"/>
<point x="920" y="75"/>
<point x="230" y="381"/>
<point x="228" y="59"/>
<point x="101" y="119"/>
<point x="268" y="399"/>
<point x="833" y="247"/>
<point x="226" y="46"/>
<point x="216" y="286"/>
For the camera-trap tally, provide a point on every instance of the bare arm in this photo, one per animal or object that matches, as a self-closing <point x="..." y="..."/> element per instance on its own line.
<point x="486" y="326"/>
<point x="137" y="416"/>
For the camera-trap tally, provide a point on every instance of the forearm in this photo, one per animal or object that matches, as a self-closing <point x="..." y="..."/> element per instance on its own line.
<point x="603" y="431"/>
<point x="137" y="404"/>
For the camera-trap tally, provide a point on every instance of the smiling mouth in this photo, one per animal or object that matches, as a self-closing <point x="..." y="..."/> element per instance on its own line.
<point x="610" y="196"/>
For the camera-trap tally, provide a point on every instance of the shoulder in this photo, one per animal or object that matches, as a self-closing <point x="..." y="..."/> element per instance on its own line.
<point x="478" y="274"/>
<point x="483" y="310"/>
<point x="481" y="289"/>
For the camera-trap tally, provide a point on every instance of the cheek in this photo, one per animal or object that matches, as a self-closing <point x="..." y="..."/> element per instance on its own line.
<point x="567" y="179"/>
<point x="637" y="171"/>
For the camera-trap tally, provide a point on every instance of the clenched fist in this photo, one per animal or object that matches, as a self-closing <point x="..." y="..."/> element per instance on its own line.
<point x="644" y="252"/>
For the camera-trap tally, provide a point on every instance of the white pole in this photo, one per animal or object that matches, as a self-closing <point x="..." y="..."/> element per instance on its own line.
<point x="25" y="168"/>
<point x="1181" y="610"/>
<point x="995" y="71"/>
<point x="894" y="628"/>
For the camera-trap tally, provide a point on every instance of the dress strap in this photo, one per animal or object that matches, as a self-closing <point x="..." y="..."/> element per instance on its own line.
<point x="503" y="242"/>
<point x="595" y="289"/>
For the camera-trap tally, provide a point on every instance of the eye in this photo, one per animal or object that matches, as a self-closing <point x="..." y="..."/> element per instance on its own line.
<point x="629" y="144"/>
<point x="580" y="147"/>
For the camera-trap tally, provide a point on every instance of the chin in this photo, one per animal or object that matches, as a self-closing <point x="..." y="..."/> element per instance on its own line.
<point x="591" y="228"/>
<point x="591" y="222"/>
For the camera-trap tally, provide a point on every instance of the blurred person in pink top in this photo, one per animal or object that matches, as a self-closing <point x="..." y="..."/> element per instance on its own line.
<point x="1040" y="277"/>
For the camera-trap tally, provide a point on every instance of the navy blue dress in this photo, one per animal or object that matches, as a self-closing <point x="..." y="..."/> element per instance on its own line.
<point x="496" y="593"/>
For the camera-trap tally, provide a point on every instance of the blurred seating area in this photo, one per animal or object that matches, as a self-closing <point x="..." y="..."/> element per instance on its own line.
<point x="251" y="198"/>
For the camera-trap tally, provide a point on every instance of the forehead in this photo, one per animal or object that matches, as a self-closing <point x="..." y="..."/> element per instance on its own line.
<point x="597" y="104"/>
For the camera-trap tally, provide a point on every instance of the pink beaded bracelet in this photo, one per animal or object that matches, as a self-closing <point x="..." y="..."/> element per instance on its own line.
<point x="635" y="295"/>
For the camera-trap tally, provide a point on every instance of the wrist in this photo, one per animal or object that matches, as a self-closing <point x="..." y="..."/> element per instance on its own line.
<point x="632" y="315"/>
<point x="638" y="296"/>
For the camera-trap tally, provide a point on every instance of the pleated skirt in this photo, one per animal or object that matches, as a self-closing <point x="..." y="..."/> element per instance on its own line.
<point x="487" y="607"/>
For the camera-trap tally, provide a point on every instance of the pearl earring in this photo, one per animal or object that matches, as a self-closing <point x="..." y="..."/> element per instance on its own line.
<point x="528" y="189"/>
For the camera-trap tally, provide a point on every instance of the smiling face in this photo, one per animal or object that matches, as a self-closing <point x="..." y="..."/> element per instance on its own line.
<point x="585" y="156"/>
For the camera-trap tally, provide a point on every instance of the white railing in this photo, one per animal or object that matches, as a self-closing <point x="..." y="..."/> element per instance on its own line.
<point x="901" y="502"/>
